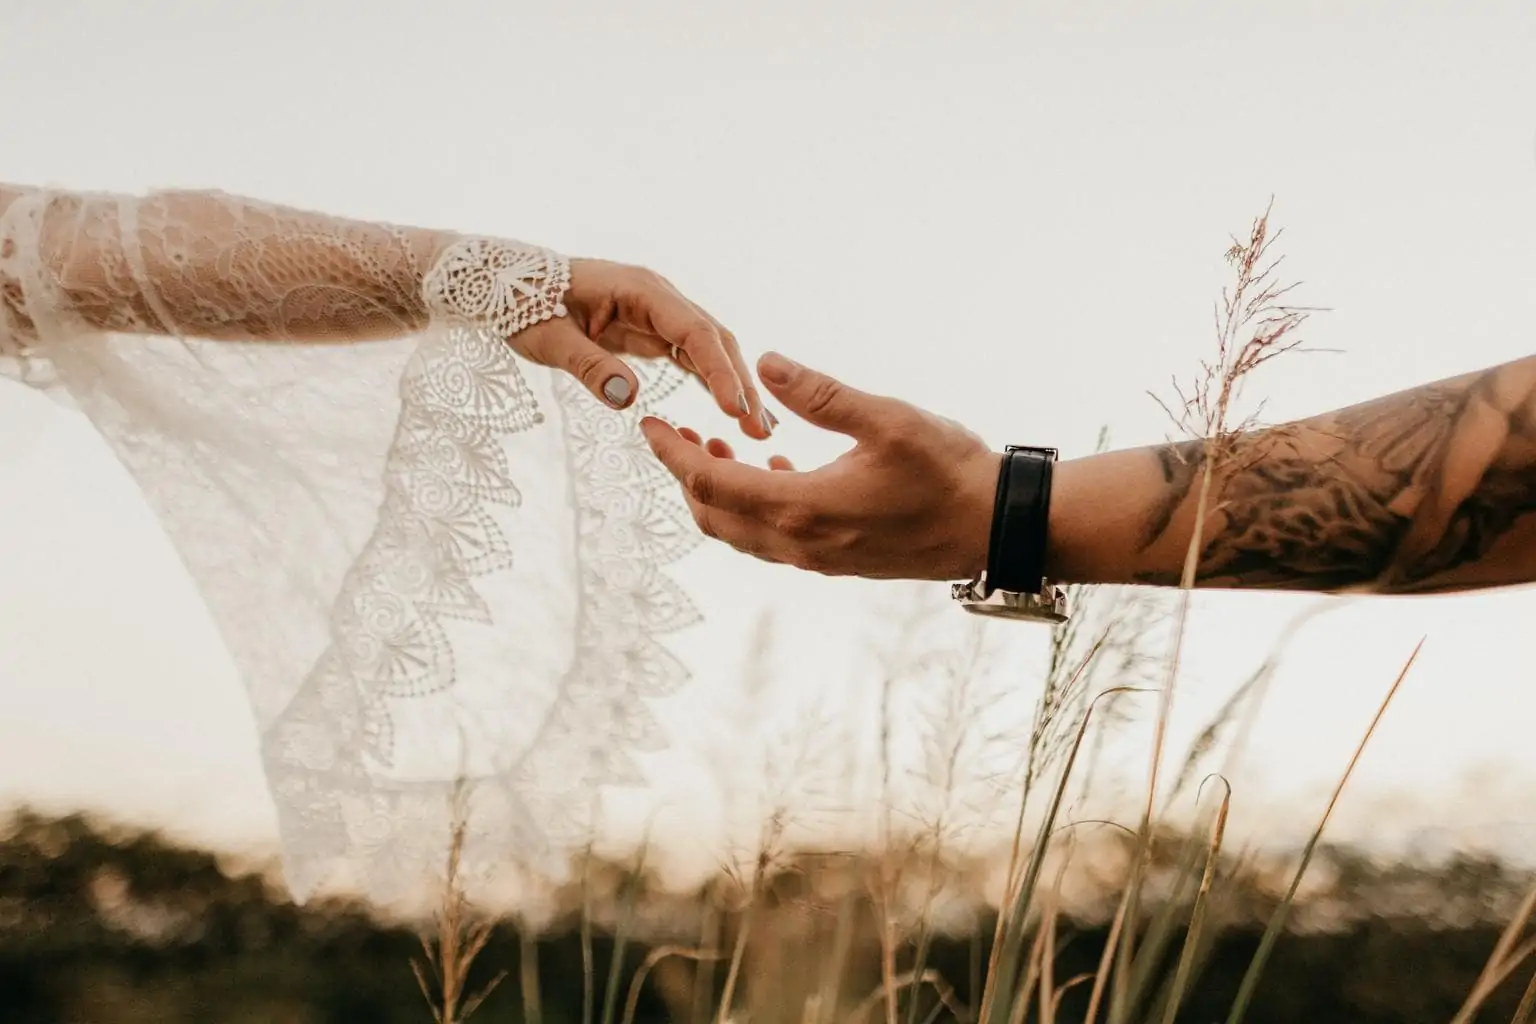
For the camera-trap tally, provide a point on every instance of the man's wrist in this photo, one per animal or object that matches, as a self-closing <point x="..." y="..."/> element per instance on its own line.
<point x="1064" y="531"/>
<point x="1008" y="510"/>
<point x="976" y="519"/>
<point x="979" y="502"/>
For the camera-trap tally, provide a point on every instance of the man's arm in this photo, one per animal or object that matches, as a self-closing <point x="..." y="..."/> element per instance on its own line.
<point x="1427" y="490"/>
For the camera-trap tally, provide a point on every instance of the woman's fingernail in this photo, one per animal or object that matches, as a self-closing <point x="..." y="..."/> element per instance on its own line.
<point x="766" y="419"/>
<point x="773" y="420"/>
<point x="741" y="402"/>
<point x="616" y="389"/>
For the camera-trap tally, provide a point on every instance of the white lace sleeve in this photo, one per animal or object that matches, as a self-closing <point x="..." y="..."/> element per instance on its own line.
<point x="417" y="585"/>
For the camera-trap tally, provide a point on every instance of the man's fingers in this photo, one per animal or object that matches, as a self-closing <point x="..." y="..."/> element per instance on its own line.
<point x="723" y="450"/>
<point x="560" y="344"/>
<point x="712" y="481"/>
<point x="822" y="400"/>
<point x="716" y="447"/>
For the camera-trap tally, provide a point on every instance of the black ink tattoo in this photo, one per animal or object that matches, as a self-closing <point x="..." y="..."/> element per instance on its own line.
<point x="1390" y="495"/>
<point x="1182" y="463"/>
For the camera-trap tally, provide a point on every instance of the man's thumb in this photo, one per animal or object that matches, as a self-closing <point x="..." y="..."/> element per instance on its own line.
<point x="816" y="398"/>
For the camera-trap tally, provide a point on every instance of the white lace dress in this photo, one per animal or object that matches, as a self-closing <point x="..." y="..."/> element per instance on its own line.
<point x="432" y="562"/>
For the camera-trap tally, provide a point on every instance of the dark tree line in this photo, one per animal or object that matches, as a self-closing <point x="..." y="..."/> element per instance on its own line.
<point x="100" y="927"/>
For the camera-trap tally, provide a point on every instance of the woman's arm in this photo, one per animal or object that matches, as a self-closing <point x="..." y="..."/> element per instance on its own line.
<point x="226" y="268"/>
<point x="215" y="266"/>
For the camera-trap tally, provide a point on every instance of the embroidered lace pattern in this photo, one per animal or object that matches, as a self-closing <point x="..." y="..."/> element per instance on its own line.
<point x="448" y="615"/>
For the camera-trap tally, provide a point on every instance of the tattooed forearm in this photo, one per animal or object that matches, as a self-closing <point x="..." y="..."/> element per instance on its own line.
<point x="1181" y="464"/>
<point x="1430" y="489"/>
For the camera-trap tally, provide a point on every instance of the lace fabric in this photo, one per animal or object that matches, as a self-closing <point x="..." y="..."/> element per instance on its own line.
<point x="440" y="571"/>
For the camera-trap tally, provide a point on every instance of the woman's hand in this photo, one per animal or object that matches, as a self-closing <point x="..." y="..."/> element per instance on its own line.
<point x="291" y="275"/>
<point x="613" y="310"/>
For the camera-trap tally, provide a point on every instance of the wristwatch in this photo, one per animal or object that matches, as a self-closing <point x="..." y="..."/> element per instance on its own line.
<point x="1013" y="584"/>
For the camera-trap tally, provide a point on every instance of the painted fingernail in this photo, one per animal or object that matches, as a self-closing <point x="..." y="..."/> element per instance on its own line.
<point x="741" y="402"/>
<point x="617" y="391"/>
<point x="766" y="419"/>
<point x="773" y="420"/>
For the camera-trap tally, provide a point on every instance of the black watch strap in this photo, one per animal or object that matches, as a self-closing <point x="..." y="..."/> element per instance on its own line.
<point x="1020" y="520"/>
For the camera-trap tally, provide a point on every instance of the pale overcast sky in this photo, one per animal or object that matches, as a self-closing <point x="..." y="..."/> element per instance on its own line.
<point x="1009" y="214"/>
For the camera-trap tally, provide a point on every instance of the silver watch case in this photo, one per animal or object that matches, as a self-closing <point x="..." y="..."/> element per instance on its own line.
<point x="1049" y="605"/>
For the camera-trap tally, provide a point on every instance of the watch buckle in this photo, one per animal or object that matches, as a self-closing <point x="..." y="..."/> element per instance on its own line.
<point x="1048" y="605"/>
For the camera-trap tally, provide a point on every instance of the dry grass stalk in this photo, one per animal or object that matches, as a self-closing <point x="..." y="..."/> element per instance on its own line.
<point x="654" y="957"/>
<point x="1012" y="920"/>
<point x="1502" y="962"/>
<point x="1277" y="920"/>
<point x="711" y="933"/>
<point x="1240" y="711"/>
<point x="1046" y="966"/>
<point x="884" y="992"/>
<point x="842" y="945"/>
<point x="1106" y="959"/>
<point x="887" y="881"/>
<point x="957" y="741"/>
<point x="588" y="959"/>
<point x="621" y="937"/>
<point x="739" y="952"/>
<point x="528" y="975"/>
<point x="1254" y="325"/>
<point x="461" y="933"/>
<point x="1187" y="956"/>
<point x="1526" y="1011"/>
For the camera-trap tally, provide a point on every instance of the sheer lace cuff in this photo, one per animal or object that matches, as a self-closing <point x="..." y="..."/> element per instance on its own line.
<point x="209" y="265"/>
<point x="505" y="286"/>
<point x="21" y="214"/>
<point x="418" y="588"/>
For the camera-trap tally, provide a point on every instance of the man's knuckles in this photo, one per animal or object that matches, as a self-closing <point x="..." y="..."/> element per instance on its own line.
<point x="700" y="485"/>
<point x="797" y="521"/>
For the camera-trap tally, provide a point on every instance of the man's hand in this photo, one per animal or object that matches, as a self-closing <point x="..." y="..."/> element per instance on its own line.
<point x="912" y="499"/>
<point x="615" y="310"/>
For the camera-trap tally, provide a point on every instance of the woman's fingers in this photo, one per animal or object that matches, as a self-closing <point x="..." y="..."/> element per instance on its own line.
<point x="758" y="423"/>
<point x="617" y="337"/>
<point x="635" y="311"/>
<point x="560" y="344"/>
<point x="648" y="303"/>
